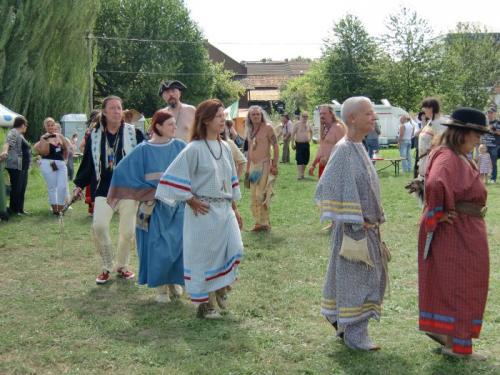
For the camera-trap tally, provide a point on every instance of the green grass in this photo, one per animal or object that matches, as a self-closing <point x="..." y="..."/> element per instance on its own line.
<point x="55" y="320"/>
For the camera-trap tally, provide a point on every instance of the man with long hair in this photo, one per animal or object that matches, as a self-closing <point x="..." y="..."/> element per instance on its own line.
<point x="108" y="143"/>
<point x="261" y="169"/>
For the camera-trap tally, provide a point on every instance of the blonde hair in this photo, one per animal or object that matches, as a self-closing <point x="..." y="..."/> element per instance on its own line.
<point x="483" y="149"/>
<point x="47" y="120"/>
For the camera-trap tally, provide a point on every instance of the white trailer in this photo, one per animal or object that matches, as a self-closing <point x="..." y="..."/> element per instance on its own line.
<point x="388" y="119"/>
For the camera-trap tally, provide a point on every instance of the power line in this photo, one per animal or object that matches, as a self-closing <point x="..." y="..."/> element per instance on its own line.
<point x="177" y="41"/>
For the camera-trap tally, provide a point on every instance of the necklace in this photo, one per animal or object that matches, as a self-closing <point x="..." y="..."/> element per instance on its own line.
<point x="111" y="150"/>
<point x="209" y="149"/>
<point x="252" y="137"/>
<point x="326" y="130"/>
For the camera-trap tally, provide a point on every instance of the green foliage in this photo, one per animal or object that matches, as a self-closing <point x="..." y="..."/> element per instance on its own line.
<point x="409" y="44"/>
<point x="171" y="46"/>
<point x="348" y="60"/>
<point x="470" y="66"/>
<point x="144" y="64"/>
<point x="43" y="55"/>
<point x="224" y="87"/>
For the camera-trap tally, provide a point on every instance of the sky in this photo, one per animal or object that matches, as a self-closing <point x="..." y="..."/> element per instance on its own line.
<point x="255" y="29"/>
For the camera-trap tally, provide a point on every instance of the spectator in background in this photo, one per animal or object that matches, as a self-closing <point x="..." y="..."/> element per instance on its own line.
<point x="94" y="119"/>
<point x="54" y="148"/>
<point x="404" y="141"/>
<point x="484" y="163"/>
<point x="17" y="151"/>
<point x="371" y="140"/>
<point x="261" y="169"/>
<point x="70" y="164"/>
<point x="331" y="131"/>
<point x="233" y="134"/>
<point x="170" y="92"/>
<point x="286" y="133"/>
<point x="430" y="131"/>
<point x="420" y="123"/>
<point x="492" y="141"/>
<point x="239" y="159"/>
<point x="301" y="137"/>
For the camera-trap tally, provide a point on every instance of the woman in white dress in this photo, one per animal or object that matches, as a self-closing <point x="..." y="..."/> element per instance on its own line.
<point x="204" y="176"/>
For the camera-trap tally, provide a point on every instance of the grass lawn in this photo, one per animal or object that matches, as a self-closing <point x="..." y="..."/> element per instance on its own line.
<point x="54" y="319"/>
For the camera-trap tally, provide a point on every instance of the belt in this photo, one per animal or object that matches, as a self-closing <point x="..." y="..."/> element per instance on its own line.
<point x="214" y="200"/>
<point x="471" y="209"/>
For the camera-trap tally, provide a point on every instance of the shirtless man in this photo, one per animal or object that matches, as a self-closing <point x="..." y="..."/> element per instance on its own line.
<point x="170" y="91"/>
<point x="301" y="136"/>
<point x="331" y="131"/>
<point x="261" y="138"/>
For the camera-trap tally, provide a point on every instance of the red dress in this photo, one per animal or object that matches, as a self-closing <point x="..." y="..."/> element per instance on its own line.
<point x="453" y="280"/>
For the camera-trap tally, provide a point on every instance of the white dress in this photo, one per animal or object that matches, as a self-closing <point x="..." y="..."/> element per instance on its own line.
<point x="212" y="242"/>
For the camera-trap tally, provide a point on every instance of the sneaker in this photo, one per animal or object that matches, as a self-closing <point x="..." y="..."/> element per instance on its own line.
<point x="103" y="278"/>
<point x="125" y="274"/>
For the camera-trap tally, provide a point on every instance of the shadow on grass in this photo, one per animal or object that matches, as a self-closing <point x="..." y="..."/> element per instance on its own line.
<point x="125" y="315"/>
<point x="384" y="361"/>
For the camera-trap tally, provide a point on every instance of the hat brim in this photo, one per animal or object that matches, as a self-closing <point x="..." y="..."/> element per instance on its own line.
<point x="135" y="115"/>
<point x="465" y="125"/>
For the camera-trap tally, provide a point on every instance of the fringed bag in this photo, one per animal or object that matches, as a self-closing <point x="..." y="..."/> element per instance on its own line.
<point x="355" y="250"/>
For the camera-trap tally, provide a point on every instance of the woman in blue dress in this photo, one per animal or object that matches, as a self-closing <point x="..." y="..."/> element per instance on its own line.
<point x="159" y="226"/>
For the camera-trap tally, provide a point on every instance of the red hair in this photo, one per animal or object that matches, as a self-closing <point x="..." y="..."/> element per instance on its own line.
<point x="159" y="118"/>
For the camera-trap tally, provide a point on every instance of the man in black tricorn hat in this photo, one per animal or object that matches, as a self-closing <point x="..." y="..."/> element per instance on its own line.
<point x="170" y="91"/>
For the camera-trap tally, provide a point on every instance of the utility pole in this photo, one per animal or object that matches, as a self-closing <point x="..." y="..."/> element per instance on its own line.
<point x="91" y="71"/>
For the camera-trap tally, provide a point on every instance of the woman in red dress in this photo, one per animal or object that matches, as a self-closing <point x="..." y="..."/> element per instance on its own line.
<point x="453" y="260"/>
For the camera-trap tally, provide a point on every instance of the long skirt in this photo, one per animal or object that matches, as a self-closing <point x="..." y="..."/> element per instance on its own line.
<point x="160" y="247"/>
<point x="453" y="281"/>
<point x="212" y="250"/>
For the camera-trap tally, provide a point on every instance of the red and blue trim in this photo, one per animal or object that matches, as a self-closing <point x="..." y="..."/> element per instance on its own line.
<point x="476" y="327"/>
<point x="432" y="217"/>
<point x="225" y="269"/>
<point x="187" y="274"/>
<point x="176" y="182"/>
<point x="235" y="182"/>
<point x="462" y="346"/>
<point x="429" y="321"/>
<point x="199" y="297"/>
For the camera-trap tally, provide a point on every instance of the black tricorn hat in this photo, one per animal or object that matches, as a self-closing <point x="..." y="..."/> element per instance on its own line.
<point x="171" y="84"/>
<point x="468" y="118"/>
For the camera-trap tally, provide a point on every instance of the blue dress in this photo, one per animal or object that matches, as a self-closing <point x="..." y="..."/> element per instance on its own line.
<point x="159" y="226"/>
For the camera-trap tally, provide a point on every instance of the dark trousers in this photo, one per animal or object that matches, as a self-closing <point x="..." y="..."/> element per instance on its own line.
<point x="493" y="151"/>
<point x="18" y="183"/>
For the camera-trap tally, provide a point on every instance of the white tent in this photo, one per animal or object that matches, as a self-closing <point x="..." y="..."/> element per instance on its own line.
<point x="7" y="117"/>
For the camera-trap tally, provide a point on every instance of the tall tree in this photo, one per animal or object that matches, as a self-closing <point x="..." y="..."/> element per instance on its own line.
<point x="141" y="43"/>
<point x="43" y="55"/>
<point x="409" y="42"/>
<point x="470" y="66"/>
<point x="349" y="58"/>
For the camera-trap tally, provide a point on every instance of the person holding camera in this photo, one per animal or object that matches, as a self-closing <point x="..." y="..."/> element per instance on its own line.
<point x="53" y="148"/>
